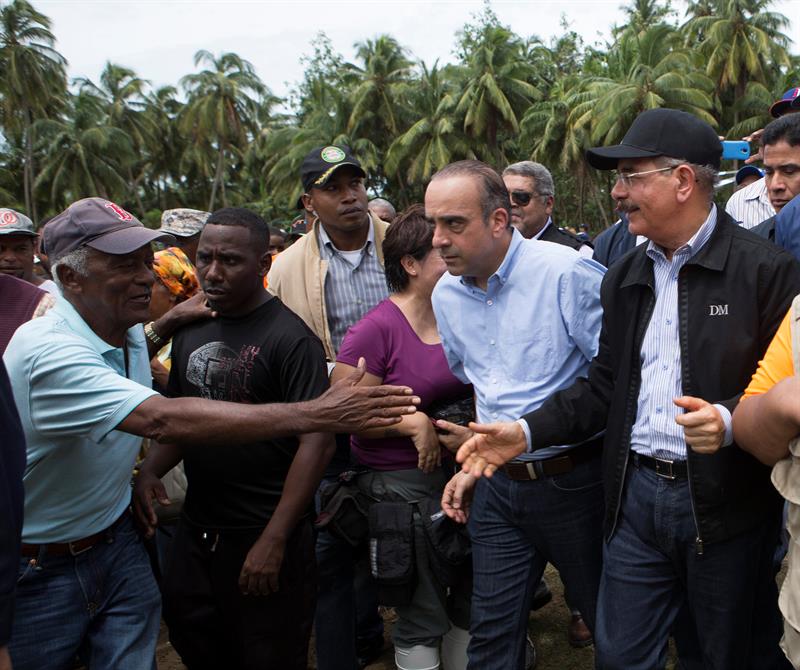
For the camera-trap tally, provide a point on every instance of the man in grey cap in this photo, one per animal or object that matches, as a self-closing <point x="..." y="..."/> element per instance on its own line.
<point x="17" y="247"/>
<point x="691" y="520"/>
<point x="185" y="225"/>
<point x="81" y="381"/>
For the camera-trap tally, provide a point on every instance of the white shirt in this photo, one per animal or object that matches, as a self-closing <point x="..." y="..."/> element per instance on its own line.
<point x="750" y="206"/>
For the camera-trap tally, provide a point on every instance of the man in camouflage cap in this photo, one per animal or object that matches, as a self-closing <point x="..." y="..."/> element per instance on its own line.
<point x="186" y="225"/>
<point x="17" y="247"/>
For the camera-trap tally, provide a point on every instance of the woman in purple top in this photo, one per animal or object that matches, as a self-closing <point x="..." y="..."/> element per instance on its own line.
<point x="401" y="345"/>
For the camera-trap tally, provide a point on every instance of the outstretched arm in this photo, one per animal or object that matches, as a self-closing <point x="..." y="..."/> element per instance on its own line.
<point x="344" y="408"/>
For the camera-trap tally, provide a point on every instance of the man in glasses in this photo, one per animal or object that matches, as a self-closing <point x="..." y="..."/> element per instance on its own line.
<point x="532" y="192"/>
<point x="691" y="519"/>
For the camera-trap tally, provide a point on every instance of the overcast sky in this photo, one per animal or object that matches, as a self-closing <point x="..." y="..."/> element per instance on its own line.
<point x="159" y="38"/>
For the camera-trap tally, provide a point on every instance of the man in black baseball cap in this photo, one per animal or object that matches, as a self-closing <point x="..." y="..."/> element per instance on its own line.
<point x="691" y="520"/>
<point x="662" y="132"/>
<point x="342" y="253"/>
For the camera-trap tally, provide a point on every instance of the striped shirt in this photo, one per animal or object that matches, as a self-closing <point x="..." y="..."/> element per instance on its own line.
<point x="655" y="431"/>
<point x="750" y="205"/>
<point x="354" y="284"/>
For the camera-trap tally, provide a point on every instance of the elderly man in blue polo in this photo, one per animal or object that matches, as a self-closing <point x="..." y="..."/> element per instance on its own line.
<point x="81" y="382"/>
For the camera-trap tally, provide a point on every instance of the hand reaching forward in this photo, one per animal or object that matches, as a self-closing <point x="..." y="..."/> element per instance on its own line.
<point x="493" y="445"/>
<point x="347" y="407"/>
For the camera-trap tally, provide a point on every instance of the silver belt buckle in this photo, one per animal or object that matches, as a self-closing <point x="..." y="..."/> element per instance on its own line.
<point x="531" y="470"/>
<point x="664" y="468"/>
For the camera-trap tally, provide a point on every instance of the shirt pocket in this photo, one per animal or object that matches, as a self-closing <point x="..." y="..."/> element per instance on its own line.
<point x="528" y="352"/>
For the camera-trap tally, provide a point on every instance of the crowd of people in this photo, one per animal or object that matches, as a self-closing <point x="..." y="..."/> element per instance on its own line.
<point x="255" y="434"/>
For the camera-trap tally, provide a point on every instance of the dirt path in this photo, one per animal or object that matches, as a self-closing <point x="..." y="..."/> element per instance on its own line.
<point x="547" y="627"/>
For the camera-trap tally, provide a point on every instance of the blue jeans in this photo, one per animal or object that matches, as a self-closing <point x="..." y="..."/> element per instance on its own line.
<point x="651" y="569"/>
<point x="102" y="604"/>
<point x="347" y="603"/>
<point x="516" y="528"/>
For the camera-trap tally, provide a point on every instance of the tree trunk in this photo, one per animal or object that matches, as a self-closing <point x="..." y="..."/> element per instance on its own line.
<point x="595" y="189"/>
<point x="491" y="136"/>
<point x="133" y="185"/>
<point x="217" y="178"/>
<point x="27" y="171"/>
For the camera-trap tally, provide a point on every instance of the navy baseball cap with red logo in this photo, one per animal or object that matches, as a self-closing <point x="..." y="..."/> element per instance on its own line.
<point x="99" y="224"/>
<point x="790" y="99"/>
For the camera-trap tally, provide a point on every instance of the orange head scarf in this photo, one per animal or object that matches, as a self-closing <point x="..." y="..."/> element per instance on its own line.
<point x="174" y="269"/>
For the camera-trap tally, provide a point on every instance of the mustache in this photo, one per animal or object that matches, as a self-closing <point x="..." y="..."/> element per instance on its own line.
<point x="625" y="206"/>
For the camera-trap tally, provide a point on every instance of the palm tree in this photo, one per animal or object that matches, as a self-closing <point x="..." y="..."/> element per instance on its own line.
<point x="742" y="42"/>
<point x="220" y="114"/>
<point x="436" y="138"/>
<point x="646" y="71"/>
<point x="165" y="145"/>
<point x="33" y="80"/>
<point x="123" y="94"/>
<point x="554" y="130"/>
<point x="498" y="89"/>
<point x="382" y="80"/>
<point x="644" y="14"/>
<point x="84" y="156"/>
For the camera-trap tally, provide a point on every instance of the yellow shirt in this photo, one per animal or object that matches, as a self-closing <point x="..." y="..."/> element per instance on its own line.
<point x="777" y="362"/>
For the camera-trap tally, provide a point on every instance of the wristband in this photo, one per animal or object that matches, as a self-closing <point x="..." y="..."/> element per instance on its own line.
<point x="153" y="336"/>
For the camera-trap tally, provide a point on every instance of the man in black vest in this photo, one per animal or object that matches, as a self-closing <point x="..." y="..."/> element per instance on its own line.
<point x="532" y="192"/>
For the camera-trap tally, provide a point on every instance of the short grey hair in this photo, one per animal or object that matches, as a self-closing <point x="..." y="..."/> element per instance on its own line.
<point x="77" y="261"/>
<point x="383" y="203"/>
<point x="541" y="176"/>
<point x="706" y="175"/>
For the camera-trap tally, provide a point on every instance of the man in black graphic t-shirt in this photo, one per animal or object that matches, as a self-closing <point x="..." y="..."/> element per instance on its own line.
<point x="239" y="587"/>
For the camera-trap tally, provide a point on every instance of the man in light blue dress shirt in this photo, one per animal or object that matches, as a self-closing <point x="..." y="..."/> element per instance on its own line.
<point x="519" y="319"/>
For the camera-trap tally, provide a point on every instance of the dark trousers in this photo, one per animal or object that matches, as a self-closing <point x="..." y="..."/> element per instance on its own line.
<point x="347" y="599"/>
<point x="212" y="625"/>
<point x="651" y="570"/>
<point x="516" y="528"/>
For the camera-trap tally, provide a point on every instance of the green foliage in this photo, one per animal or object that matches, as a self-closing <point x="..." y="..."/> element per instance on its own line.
<point x="221" y="138"/>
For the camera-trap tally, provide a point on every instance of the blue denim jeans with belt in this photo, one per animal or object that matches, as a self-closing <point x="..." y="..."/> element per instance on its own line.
<point x="652" y="568"/>
<point x="517" y="527"/>
<point x="102" y="604"/>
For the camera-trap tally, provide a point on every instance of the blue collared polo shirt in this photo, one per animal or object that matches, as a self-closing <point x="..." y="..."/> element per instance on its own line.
<point x="72" y="390"/>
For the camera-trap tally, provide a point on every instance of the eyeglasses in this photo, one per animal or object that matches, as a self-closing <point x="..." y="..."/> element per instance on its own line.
<point x="628" y="178"/>
<point x="522" y="198"/>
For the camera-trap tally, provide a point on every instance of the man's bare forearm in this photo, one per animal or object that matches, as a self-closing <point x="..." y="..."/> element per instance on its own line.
<point x="764" y="424"/>
<point x="305" y="473"/>
<point x="161" y="458"/>
<point x="211" y="422"/>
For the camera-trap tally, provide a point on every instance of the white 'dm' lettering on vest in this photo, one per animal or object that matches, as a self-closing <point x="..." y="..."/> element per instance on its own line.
<point x="718" y="310"/>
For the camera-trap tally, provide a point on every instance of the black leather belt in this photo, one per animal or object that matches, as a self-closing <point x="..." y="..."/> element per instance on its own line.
<point x="75" y="547"/>
<point x="549" y="467"/>
<point x="661" y="466"/>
